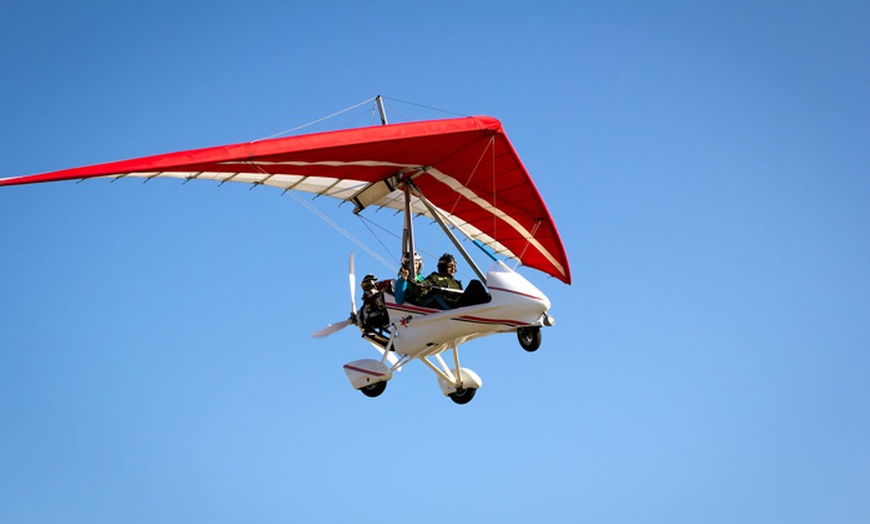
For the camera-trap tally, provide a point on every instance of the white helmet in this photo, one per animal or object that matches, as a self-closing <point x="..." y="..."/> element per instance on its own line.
<point x="406" y="259"/>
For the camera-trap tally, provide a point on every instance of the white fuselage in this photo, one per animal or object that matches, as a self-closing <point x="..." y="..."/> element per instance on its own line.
<point x="515" y="303"/>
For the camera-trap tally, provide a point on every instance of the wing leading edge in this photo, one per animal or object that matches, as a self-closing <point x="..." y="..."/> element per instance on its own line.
<point x="466" y="167"/>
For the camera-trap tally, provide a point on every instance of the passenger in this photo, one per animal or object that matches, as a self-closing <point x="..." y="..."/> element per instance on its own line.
<point x="373" y="314"/>
<point x="406" y="290"/>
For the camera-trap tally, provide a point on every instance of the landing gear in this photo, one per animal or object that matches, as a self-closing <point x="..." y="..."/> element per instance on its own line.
<point x="459" y="384"/>
<point x="369" y="376"/>
<point x="530" y="338"/>
<point x="374" y="390"/>
<point x="463" y="395"/>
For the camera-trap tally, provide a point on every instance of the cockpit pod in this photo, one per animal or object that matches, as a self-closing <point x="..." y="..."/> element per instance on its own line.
<point x="511" y="290"/>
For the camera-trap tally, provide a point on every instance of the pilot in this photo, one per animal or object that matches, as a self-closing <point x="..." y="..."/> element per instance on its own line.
<point x="432" y="294"/>
<point x="436" y="288"/>
<point x="407" y="290"/>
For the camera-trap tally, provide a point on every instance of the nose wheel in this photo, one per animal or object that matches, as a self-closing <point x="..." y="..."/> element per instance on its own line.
<point x="530" y="338"/>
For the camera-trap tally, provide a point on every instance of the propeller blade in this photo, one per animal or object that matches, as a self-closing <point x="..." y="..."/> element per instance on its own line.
<point x="332" y="328"/>
<point x="338" y="326"/>
<point x="352" y="286"/>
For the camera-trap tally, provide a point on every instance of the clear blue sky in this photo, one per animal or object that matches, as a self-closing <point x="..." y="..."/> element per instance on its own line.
<point x="707" y="165"/>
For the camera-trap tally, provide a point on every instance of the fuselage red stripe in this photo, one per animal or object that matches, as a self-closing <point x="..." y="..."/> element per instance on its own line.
<point x="363" y="371"/>
<point x="412" y="309"/>
<point x="479" y="320"/>
<point x="463" y="318"/>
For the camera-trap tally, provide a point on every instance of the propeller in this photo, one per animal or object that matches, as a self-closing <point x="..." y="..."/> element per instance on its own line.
<point x="352" y="278"/>
<point x="332" y="328"/>
<point x="338" y="326"/>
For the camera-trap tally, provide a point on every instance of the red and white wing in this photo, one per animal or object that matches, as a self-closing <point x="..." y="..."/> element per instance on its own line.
<point x="466" y="167"/>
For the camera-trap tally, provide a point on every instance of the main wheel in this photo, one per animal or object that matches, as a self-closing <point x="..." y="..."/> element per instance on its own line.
<point x="374" y="390"/>
<point x="530" y="338"/>
<point x="463" y="395"/>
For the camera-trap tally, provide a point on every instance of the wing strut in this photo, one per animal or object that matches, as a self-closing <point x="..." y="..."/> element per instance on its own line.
<point x="408" y="233"/>
<point x="447" y="231"/>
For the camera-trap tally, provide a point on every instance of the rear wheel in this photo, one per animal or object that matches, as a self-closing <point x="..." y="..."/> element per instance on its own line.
<point x="463" y="395"/>
<point x="530" y="338"/>
<point x="374" y="390"/>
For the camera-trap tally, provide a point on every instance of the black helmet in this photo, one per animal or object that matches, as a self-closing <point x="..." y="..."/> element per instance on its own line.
<point x="368" y="282"/>
<point x="445" y="260"/>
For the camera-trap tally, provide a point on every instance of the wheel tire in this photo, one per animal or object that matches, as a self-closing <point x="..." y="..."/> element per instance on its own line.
<point x="374" y="390"/>
<point x="530" y="338"/>
<point x="463" y="396"/>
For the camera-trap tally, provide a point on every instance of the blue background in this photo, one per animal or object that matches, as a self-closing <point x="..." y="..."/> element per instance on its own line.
<point x="706" y="164"/>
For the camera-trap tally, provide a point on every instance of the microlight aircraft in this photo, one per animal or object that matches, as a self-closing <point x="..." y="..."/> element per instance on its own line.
<point x="463" y="173"/>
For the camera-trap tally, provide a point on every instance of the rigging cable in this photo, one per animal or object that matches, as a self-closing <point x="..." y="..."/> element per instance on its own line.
<point x="340" y="229"/>
<point x="323" y="217"/>
<point x="315" y="122"/>
<point x="421" y="105"/>
<point x="528" y="242"/>
<point x="366" y="223"/>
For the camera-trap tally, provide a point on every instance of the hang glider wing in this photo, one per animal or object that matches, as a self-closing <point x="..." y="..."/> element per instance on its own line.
<point x="465" y="167"/>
